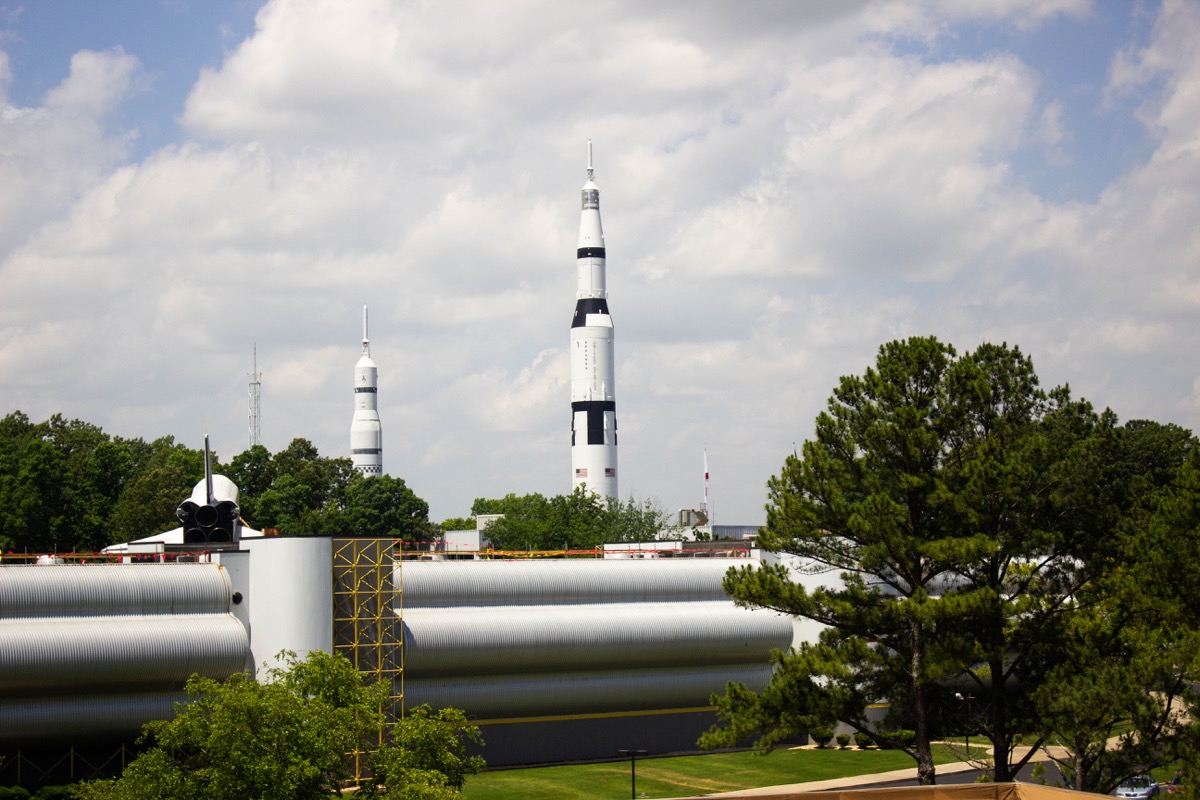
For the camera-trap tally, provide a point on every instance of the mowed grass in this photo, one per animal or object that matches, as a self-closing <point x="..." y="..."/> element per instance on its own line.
<point x="682" y="776"/>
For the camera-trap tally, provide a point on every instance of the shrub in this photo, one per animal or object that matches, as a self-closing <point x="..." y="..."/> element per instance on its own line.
<point x="822" y="736"/>
<point x="54" y="793"/>
<point x="843" y="740"/>
<point x="899" y="739"/>
<point x="863" y="740"/>
<point x="13" y="793"/>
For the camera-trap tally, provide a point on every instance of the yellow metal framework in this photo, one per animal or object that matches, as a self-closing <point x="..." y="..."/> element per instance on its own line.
<point x="366" y="620"/>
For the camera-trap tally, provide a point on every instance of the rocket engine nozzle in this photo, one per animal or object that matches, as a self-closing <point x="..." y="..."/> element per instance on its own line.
<point x="211" y="514"/>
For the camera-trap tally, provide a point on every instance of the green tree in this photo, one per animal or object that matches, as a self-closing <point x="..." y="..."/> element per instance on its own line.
<point x="429" y="760"/>
<point x="384" y="506"/>
<point x="163" y="475"/>
<point x="1027" y="523"/>
<point x="527" y="524"/>
<point x="147" y="507"/>
<point x="580" y="520"/>
<point x="253" y="472"/>
<point x="949" y="493"/>
<point x="307" y="493"/>
<point x="287" y="739"/>
<point x="57" y="479"/>
<point x="1123" y="700"/>
<point x="865" y="498"/>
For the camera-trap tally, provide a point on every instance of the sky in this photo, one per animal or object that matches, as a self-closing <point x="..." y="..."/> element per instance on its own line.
<point x="784" y="186"/>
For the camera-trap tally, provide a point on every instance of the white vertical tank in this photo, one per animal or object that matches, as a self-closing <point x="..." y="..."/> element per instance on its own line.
<point x="593" y="388"/>
<point x="366" y="432"/>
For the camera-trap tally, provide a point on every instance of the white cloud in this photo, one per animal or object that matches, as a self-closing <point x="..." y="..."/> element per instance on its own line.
<point x="51" y="153"/>
<point x="784" y="188"/>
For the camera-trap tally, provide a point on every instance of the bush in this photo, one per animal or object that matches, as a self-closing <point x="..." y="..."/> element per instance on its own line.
<point x="822" y="736"/>
<point x="54" y="793"/>
<point x="13" y="793"/>
<point x="863" y="740"/>
<point x="899" y="739"/>
<point x="843" y="740"/>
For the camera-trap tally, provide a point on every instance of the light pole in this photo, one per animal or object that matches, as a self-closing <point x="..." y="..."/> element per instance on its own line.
<point x="966" y="704"/>
<point x="633" y="754"/>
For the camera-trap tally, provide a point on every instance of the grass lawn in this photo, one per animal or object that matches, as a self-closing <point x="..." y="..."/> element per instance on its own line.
<point x="685" y="775"/>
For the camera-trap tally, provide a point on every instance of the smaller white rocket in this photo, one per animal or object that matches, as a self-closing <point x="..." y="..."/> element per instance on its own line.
<point x="366" y="432"/>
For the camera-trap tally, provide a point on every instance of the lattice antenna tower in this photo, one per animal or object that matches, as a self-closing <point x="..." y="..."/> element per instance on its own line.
<point x="254" y="400"/>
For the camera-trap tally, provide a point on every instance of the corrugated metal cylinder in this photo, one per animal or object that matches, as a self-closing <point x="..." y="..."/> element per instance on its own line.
<point x="93" y="652"/>
<point x="512" y="696"/>
<point x="96" y="650"/>
<point x="27" y="720"/>
<point x="488" y="641"/>
<point x="440" y="584"/>
<point x="73" y="590"/>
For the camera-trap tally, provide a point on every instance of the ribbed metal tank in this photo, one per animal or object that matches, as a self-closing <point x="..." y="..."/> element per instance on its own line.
<point x="440" y="584"/>
<point x="497" y="640"/>
<point x="84" y="653"/>
<point x="75" y="590"/>
<point x="26" y="720"/>
<point x="592" y="692"/>
<point x="527" y="639"/>
<point x="97" y="650"/>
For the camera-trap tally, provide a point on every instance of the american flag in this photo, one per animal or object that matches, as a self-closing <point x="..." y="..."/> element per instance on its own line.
<point x="581" y="472"/>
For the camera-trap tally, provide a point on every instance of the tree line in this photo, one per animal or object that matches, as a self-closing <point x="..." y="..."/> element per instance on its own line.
<point x="580" y="520"/>
<point x="1013" y="563"/>
<point x="67" y="486"/>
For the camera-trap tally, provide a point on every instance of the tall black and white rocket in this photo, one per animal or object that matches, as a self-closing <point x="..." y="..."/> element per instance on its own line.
<point x="366" y="432"/>
<point x="593" y="391"/>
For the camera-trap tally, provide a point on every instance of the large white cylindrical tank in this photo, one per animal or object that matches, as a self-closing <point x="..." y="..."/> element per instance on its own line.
<point x="291" y="596"/>
<point x="498" y="640"/>
<point x="522" y="639"/>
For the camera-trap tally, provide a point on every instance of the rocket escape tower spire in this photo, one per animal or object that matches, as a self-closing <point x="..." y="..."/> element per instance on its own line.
<point x="366" y="432"/>
<point x="593" y="392"/>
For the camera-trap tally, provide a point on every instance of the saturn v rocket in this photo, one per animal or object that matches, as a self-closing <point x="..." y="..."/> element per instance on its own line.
<point x="366" y="432"/>
<point x="593" y="390"/>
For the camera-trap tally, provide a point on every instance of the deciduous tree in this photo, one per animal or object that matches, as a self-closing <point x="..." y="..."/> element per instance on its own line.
<point x="577" y="521"/>
<point x="287" y="738"/>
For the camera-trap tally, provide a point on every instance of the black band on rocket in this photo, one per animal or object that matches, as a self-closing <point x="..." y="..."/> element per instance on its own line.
<point x="595" y="419"/>
<point x="588" y="305"/>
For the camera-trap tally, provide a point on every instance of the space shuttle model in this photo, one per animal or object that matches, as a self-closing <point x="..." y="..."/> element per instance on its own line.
<point x="366" y="432"/>
<point x="211" y="515"/>
<point x="593" y="390"/>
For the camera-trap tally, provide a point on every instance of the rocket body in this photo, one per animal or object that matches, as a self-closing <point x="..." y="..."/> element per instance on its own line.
<point x="593" y="388"/>
<point x="366" y="431"/>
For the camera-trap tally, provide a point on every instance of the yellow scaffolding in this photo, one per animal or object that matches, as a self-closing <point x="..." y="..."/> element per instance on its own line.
<point x="367" y="608"/>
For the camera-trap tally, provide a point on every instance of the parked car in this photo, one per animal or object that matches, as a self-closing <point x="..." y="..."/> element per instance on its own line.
<point x="1139" y="787"/>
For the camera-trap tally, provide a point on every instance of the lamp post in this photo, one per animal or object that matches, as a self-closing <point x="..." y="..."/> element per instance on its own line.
<point x="633" y="754"/>
<point x="966" y="704"/>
